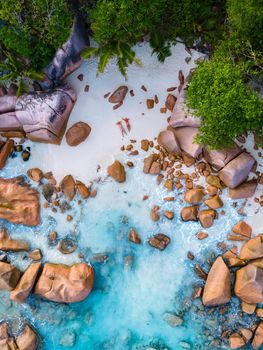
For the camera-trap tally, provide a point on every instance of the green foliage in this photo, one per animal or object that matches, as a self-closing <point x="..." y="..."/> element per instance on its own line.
<point x="246" y="21"/>
<point x="119" y="24"/>
<point x="13" y="69"/>
<point x="227" y="106"/>
<point x="34" y="29"/>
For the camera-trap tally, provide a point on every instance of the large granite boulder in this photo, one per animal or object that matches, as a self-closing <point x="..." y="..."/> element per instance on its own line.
<point x="237" y="170"/>
<point x="67" y="58"/>
<point x="66" y="284"/>
<point x="7" y="243"/>
<point x="28" y="339"/>
<point x="245" y="190"/>
<point x="25" y="284"/>
<point x="9" y="276"/>
<point x="186" y="140"/>
<point x="44" y="115"/>
<point x="217" y="289"/>
<point x="258" y="337"/>
<point x="181" y="116"/>
<point x="167" y="140"/>
<point x="220" y="158"/>
<point x="7" y="103"/>
<point x="249" y="284"/>
<point x="252" y="249"/>
<point x="19" y="203"/>
<point x="6" y="342"/>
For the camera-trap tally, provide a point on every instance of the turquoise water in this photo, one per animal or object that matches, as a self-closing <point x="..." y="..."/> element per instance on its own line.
<point x="135" y="285"/>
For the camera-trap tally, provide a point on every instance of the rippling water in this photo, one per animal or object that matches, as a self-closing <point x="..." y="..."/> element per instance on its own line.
<point x="137" y="284"/>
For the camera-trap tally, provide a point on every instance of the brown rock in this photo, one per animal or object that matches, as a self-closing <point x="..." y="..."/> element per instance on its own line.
<point x="189" y="213"/>
<point x="159" y="241"/>
<point x="25" y="284"/>
<point x="248" y="308"/>
<point x="249" y="284"/>
<point x="201" y="235"/>
<point x="259" y="312"/>
<point x="245" y="190"/>
<point x="117" y="171"/>
<point x="168" y="183"/>
<point x="200" y="272"/>
<point x="236" y="341"/>
<point x="252" y="249"/>
<point x="145" y="145"/>
<point x="155" y="216"/>
<point x="7" y="243"/>
<point x="155" y="168"/>
<point x="148" y="163"/>
<point x="167" y="140"/>
<point x="35" y="255"/>
<point x="238" y="238"/>
<point x="19" y="203"/>
<point x="242" y="228"/>
<point x="194" y="196"/>
<point x="77" y="133"/>
<point x="28" y="339"/>
<point x="217" y="289"/>
<point x="67" y="186"/>
<point x="170" y="102"/>
<point x="212" y="190"/>
<point x="66" y="284"/>
<point x="5" y="152"/>
<point x="188" y="160"/>
<point x="214" y="181"/>
<point x="83" y="189"/>
<point x="258" y="337"/>
<point x="236" y="262"/>
<point x="118" y="95"/>
<point x="214" y="202"/>
<point x="169" y="214"/>
<point x="207" y="217"/>
<point x="150" y="103"/>
<point x="134" y="237"/>
<point x="35" y="174"/>
<point x="9" y="276"/>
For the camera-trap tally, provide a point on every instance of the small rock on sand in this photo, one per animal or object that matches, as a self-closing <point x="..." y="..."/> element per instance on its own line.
<point x="77" y="133"/>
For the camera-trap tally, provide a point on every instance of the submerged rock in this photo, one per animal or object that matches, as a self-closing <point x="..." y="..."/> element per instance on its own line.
<point x="67" y="246"/>
<point x="19" y="203"/>
<point x="62" y="283"/>
<point x="117" y="171"/>
<point x="172" y="319"/>
<point x="9" y="276"/>
<point x="159" y="241"/>
<point x="68" y="340"/>
<point x="217" y="289"/>
<point x="236" y="341"/>
<point x="25" y="284"/>
<point x="77" y="133"/>
<point x="249" y="284"/>
<point x="6" y="342"/>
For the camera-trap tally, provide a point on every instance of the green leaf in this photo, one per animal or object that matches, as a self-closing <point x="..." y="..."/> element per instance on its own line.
<point x="104" y="60"/>
<point x="87" y="53"/>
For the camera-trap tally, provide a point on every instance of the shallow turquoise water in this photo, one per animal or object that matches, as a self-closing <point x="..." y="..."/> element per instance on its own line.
<point x="136" y="285"/>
